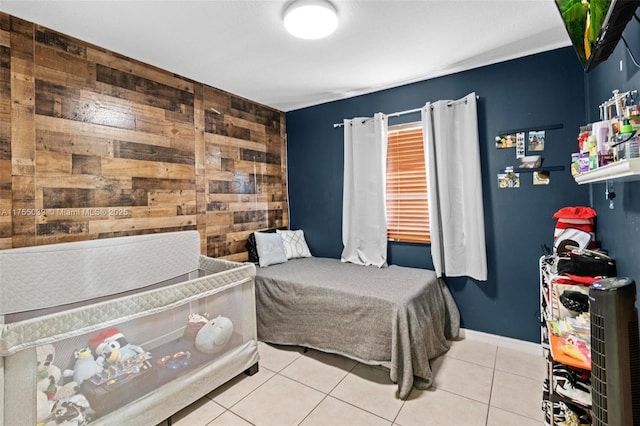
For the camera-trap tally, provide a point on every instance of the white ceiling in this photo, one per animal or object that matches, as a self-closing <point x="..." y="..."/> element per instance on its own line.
<point x="241" y="46"/>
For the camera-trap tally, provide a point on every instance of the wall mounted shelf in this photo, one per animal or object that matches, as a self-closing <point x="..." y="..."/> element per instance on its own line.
<point x="528" y="129"/>
<point x="625" y="170"/>
<point x="539" y="169"/>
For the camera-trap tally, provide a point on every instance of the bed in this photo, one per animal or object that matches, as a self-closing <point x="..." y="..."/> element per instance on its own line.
<point x="396" y="316"/>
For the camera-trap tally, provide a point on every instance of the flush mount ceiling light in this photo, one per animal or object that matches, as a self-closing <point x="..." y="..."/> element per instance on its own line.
<point x="310" y="19"/>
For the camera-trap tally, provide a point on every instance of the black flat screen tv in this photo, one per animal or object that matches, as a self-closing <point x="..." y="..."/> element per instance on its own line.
<point x="595" y="26"/>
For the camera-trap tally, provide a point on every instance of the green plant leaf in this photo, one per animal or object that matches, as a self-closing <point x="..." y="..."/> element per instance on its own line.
<point x="598" y="10"/>
<point x="574" y="13"/>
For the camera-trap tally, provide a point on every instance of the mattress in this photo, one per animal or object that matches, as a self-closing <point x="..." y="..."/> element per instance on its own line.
<point x="396" y="315"/>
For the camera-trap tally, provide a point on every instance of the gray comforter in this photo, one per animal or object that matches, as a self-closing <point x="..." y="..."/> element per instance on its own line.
<point x="375" y="315"/>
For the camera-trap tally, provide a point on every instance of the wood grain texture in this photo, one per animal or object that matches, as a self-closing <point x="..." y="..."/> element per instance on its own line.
<point x="23" y="163"/>
<point x="6" y="202"/>
<point x="200" y="158"/>
<point x="97" y="145"/>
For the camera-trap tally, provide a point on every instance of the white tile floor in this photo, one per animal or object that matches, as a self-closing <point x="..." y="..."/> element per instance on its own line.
<point x="476" y="383"/>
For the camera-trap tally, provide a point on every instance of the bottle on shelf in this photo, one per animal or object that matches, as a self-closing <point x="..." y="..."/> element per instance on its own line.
<point x="616" y="140"/>
<point x="626" y="142"/>
<point x="592" y="148"/>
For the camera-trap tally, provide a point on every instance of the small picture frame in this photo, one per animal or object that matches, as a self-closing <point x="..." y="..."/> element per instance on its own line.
<point x="536" y="140"/>
<point x="506" y="141"/>
<point x="508" y="180"/>
<point x="541" y="178"/>
<point x="520" y="145"/>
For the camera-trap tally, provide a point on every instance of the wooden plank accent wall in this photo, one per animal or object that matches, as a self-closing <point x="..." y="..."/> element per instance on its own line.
<point x="6" y="224"/>
<point x="97" y="145"/>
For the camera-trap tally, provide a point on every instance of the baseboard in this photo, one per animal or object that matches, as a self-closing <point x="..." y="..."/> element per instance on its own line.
<point x="501" y="341"/>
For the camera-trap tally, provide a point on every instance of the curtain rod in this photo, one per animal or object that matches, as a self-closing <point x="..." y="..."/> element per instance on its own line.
<point x="409" y="111"/>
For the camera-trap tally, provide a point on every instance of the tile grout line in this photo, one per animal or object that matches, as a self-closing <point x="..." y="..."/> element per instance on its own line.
<point x="313" y="409"/>
<point x="279" y="373"/>
<point x="326" y="394"/>
<point x="485" y="367"/>
<point x="244" y="397"/>
<point x="493" y="376"/>
<point x="301" y="354"/>
<point x="318" y="404"/>
<point x="404" y="401"/>
<point x="319" y="390"/>
<point x="470" y="362"/>
<point x="229" y="411"/>
<point x="493" y="379"/>
<point x="520" y="414"/>
<point x="503" y="371"/>
<point x="361" y="408"/>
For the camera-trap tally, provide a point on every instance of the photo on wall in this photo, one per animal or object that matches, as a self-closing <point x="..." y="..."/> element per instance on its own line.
<point x="520" y="145"/>
<point x="536" y="140"/>
<point x="506" y="141"/>
<point x="541" y="178"/>
<point x="508" y="180"/>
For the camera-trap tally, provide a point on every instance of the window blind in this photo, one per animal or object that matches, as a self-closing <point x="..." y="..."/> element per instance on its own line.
<point x="407" y="206"/>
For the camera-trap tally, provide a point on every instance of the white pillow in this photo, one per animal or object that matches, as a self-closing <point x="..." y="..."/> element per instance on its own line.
<point x="294" y="243"/>
<point x="270" y="249"/>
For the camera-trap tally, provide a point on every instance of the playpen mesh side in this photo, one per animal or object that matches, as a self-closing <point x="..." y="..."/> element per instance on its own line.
<point x="82" y="271"/>
<point x="163" y="350"/>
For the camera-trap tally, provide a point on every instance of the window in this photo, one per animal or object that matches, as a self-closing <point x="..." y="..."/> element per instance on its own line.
<point x="407" y="205"/>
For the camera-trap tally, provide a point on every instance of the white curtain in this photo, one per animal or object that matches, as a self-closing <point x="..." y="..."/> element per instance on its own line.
<point x="452" y="156"/>
<point x="364" y="221"/>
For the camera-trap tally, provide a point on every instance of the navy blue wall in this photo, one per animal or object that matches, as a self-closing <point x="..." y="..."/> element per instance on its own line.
<point x="525" y="93"/>
<point x="618" y="229"/>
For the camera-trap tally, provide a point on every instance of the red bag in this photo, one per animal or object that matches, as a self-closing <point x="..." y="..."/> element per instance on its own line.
<point x="581" y="218"/>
